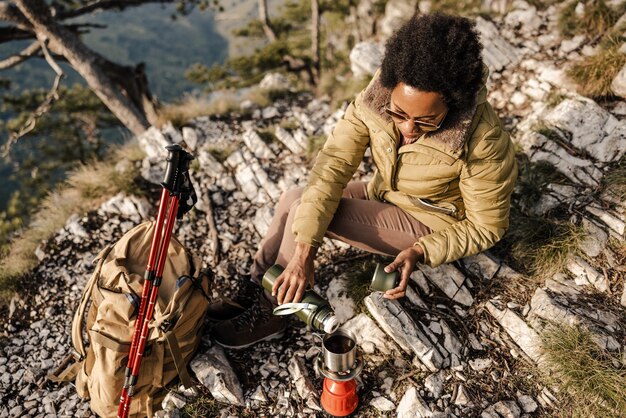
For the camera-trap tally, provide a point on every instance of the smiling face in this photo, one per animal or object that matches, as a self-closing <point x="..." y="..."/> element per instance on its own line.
<point x="413" y="104"/>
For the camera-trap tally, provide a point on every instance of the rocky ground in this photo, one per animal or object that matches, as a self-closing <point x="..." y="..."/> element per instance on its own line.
<point x="466" y="339"/>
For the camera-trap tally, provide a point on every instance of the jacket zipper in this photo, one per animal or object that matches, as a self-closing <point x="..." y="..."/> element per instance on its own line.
<point x="394" y="180"/>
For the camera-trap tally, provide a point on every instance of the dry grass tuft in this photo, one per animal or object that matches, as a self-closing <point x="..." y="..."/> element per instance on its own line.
<point x="85" y="189"/>
<point x="595" y="74"/>
<point x="598" y="17"/>
<point x="181" y="113"/>
<point x="585" y="372"/>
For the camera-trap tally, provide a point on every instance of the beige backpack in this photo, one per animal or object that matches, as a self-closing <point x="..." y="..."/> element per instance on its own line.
<point x="115" y="291"/>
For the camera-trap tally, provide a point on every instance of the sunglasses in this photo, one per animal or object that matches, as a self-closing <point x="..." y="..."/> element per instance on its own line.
<point x="424" y="126"/>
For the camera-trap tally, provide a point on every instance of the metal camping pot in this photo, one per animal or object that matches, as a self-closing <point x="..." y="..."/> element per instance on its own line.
<point x="339" y="351"/>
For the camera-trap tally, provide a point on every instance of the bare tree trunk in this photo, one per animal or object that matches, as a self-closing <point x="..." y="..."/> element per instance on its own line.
<point x="102" y="76"/>
<point x="315" y="39"/>
<point x="265" y="21"/>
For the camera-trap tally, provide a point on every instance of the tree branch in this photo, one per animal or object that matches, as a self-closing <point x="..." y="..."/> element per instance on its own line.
<point x="12" y="33"/>
<point x="44" y="107"/>
<point x="10" y="13"/>
<point x="86" y="62"/>
<point x="105" y="5"/>
<point x="25" y="54"/>
<point x="265" y="21"/>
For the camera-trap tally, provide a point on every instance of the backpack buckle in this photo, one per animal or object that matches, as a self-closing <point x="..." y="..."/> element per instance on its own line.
<point x="77" y="356"/>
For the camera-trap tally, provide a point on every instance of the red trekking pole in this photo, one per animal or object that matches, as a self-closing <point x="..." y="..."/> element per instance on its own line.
<point x="177" y="190"/>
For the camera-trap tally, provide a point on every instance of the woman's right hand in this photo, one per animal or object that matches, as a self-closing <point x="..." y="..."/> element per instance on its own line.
<point x="297" y="276"/>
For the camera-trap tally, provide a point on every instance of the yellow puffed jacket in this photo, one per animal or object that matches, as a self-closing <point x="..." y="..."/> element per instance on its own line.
<point x="457" y="180"/>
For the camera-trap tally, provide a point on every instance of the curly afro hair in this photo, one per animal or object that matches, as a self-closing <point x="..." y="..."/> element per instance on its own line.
<point x="438" y="53"/>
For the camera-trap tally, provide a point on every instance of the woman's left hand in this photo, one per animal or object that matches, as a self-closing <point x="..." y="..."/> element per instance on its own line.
<point x="405" y="263"/>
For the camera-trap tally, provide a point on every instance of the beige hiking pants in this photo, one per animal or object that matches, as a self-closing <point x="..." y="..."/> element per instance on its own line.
<point x="373" y="226"/>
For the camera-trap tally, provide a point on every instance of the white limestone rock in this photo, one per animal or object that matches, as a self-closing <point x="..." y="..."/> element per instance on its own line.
<point x="259" y="148"/>
<point x="434" y="383"/>
<point x="569" y="45"/>
<point x="289" y="141"/>
<point x="397" y="12"/>
<point x="527" y="403"/>
<point x="546" y="307"/>
<point x="413" y="406"/>
<point x="397" y="323"/>
<point x="75" y="229"/>
<point x="480" y="364"/>
<point x="498" y="53"/>
<point x="451" y="281"/>
<point x="173" y="401"/>
<point x="382" y="404"/>
<point x="264" y="181"/>
<point x="190" y="136"/>
<point x="508" y="409"/>
<point x="524" y="336"/>
<point x="365" y="58"/>
<point x="209" y="164"/>
<point x="618" y="86"/>
<point x="369" y="336"/>
<point x="420" y="280"/>
<point x="526" y="20"/>
<point x="262" y="220"/>
<point x="585" y="274"/>
<point x="481" y="265"/>
<point x="462" y="397"/>
<point x="259" y="395"/>
<point x="275" y="81"/>
<point x="127" y="206"/>
<point x="591" y="127"/>
<point x="539" y="148"/>
<point x="153" y="143"/>
<point x="213" y="370"/>
<point x="303" y="383"/>
<point x="613" y="222"/>
<point x="248" y="183"/>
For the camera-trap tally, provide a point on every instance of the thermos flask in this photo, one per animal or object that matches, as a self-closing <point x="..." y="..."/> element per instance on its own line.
<point x="313" y="309"/>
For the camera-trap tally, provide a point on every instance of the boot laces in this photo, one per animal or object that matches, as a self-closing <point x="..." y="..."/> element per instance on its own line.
<point x="249" y="318"/>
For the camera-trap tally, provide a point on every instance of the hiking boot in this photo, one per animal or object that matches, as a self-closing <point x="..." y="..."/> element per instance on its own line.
<point x="223" y="308"/>
<point x="254" y="325"/>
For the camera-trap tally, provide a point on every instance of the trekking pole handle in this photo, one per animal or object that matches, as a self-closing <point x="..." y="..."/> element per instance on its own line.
<point x="177" y="166"/>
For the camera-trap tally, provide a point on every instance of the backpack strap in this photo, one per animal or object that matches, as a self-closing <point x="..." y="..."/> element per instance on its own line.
<point x="77" y="322"/>
<point x="68" y="370"/>
<point x="181" y="369"/>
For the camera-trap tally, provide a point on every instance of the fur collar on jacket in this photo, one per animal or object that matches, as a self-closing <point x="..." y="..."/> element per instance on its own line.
<point x="454" y="131"/>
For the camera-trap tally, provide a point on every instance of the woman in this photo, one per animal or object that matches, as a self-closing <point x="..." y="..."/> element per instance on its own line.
<point x="445" y="170"/>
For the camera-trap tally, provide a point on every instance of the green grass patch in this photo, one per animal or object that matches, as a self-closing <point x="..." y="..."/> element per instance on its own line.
<point x="463" y="7"/>
<point x="595" y="74"/>
<point x="358" y="280"/>
<point x="598" y="17"/>
<point x="585" y="372"/>
<point x="543" y="4"/>
<point x="221" y="153"/>
<point x="267" y="135"/>
<point x="533" y="179"/>
<point x="341" y="88"/>
<point x="615" y="180"/>
<point x="85" y="189"/>
<point x="538" y="246"/>
<point x="554" y="98"/>
<point x="202" y="406"/>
